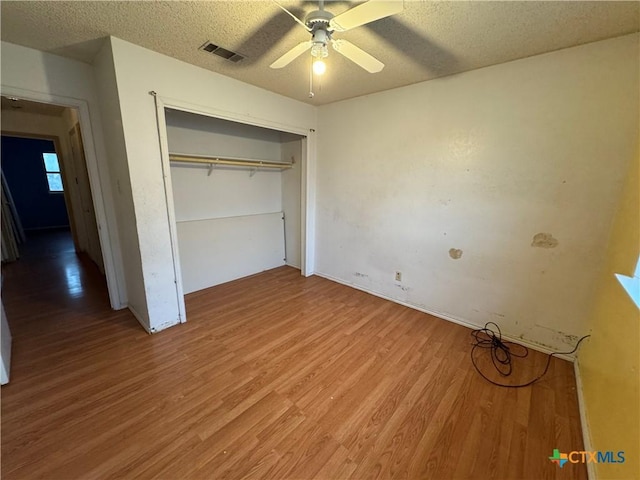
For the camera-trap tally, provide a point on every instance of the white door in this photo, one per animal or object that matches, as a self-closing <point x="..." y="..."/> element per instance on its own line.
<point x="89" y="216"/>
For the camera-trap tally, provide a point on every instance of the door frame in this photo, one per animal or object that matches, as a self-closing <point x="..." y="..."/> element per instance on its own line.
<point x="306" y="194"/>
<point x="96" y="180"/>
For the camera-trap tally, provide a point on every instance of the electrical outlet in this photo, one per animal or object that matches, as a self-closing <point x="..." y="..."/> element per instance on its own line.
<point x="398" y="276"/>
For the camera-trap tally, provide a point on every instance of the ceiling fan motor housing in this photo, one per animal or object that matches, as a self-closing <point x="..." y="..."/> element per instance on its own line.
<point x="318" y="19"/>
<point x="320" y="39"/>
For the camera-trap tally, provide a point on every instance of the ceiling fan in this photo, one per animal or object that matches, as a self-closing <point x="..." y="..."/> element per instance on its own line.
<point x="322" y="24"/>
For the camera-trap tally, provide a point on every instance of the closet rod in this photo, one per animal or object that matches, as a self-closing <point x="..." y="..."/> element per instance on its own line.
<point x="173" y="157"/>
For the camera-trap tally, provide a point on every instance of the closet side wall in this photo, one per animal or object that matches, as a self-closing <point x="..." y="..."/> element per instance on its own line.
<point x="291" y="195"/>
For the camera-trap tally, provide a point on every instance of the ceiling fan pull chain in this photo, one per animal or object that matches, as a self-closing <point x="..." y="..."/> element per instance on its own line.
<point x="311" y="94"/>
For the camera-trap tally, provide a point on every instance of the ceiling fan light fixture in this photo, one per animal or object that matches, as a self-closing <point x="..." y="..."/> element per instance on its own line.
<point x="319" y="47"/>
<point x="319" y="51"/>
<point x="322" y="24"/>
<point x="319" y="67"/>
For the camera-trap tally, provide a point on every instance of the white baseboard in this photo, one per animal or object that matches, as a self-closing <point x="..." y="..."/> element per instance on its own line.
<point x="165" y="325"/>
<point x="449" y="318"/>
<point x="156" y="329"/>
<point x="586" y="432"/>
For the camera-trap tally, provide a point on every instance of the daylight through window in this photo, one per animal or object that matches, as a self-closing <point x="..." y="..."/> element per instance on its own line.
<point x="52" y="168"/>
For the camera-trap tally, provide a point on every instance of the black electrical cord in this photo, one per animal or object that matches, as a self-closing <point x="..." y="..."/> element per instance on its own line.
<point x="503" y="351"/>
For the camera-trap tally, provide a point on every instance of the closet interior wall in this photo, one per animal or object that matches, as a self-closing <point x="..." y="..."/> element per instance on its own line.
<point x="233" y="221"/>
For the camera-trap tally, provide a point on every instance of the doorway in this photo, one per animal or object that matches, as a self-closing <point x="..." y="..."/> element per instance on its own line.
<point x="33" y="191"/>
<point x="46" y="189"/>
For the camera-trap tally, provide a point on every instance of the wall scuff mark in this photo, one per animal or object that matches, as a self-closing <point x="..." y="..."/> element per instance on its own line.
<point x="455" y="253"/>
<point x="544" y="240"/>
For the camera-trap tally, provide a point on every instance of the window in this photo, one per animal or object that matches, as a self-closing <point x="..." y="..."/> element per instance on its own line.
<point x="52" y="168"/>
<point x="632" y="284"/>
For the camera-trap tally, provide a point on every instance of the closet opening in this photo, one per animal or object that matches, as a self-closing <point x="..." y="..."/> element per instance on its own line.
<point x="236" y="195"/>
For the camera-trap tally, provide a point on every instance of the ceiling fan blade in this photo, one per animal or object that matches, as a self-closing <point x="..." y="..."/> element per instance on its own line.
<point x="358" y="56"/>
<point x="293" y="16"/>
<point x="365" y="13"/>
<point x="292" y="54"/>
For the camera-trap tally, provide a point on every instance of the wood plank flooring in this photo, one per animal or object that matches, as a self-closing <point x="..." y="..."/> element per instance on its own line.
<point x="273" y="376"/>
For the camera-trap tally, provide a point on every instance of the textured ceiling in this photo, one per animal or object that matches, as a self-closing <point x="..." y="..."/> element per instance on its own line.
<point x="427" y="40"/>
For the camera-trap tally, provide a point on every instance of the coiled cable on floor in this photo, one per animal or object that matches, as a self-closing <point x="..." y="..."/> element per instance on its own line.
<point x="503" y="351"/>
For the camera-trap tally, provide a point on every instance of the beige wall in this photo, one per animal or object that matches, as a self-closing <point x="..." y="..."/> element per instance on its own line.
<point x="609" y="361"/>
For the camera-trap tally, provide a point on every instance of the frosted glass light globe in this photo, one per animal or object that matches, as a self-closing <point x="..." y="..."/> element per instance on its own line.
<point x="319" y="67"/>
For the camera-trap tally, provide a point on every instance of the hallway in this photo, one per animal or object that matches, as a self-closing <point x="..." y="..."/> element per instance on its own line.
<point x="54" y="299"/>
<point x="48" y="282"/>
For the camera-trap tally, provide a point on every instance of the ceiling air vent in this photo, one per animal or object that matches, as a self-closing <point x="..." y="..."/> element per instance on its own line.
<point x="221" y="52"/>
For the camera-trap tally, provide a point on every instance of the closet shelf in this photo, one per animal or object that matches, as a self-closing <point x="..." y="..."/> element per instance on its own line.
<point x="238" y="162"/>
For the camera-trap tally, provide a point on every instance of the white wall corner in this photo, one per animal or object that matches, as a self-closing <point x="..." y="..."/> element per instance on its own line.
<point x="156" y="328"/>
<point x="584" y="422"/>
<point x="165" y="325"/>
<point x="140" y="319"/>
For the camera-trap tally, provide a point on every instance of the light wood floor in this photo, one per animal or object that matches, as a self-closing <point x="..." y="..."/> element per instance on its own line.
<point x="274" y="376"/>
